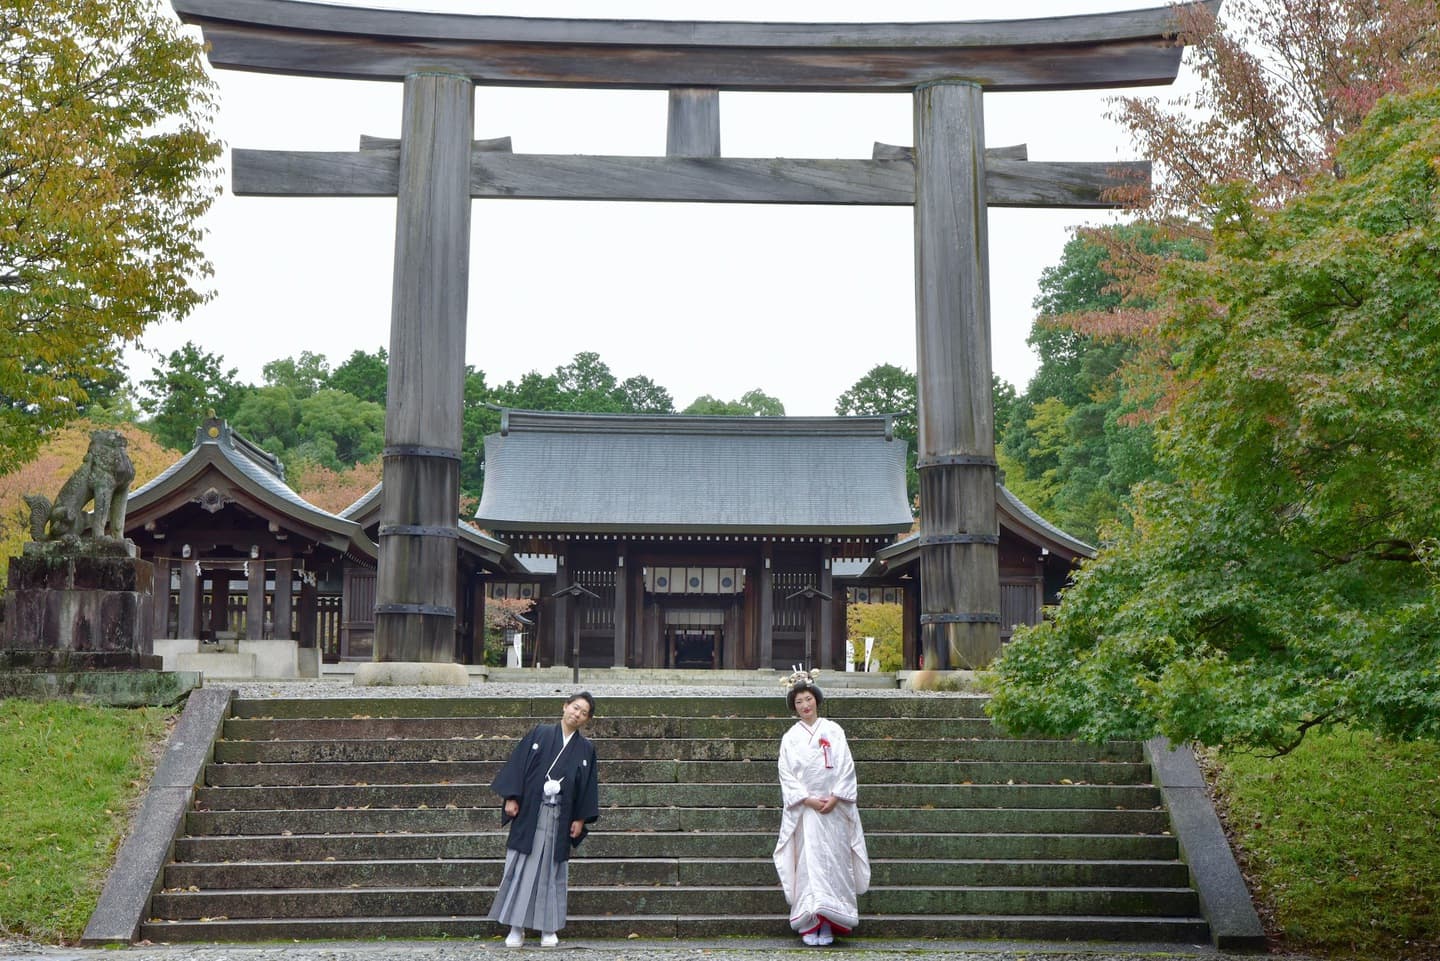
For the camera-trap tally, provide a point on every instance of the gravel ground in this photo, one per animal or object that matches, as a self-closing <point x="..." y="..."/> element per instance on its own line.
<point x="746" y="950"/>
<point x="342" y="687"/>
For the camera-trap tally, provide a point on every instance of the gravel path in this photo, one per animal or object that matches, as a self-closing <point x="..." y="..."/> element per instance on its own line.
<point x="342" y="687"/>
<point x="739" y="950"/>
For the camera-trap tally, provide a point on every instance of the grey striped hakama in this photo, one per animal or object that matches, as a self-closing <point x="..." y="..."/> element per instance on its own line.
<point x="533" y="889"/>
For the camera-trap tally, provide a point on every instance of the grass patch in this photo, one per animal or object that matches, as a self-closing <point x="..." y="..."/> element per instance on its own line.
<point x="69" y="775"/>
<point x="1341" y="841"/>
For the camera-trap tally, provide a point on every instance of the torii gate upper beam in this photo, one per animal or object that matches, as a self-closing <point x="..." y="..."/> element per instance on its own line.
<point x="1122" y="49"/>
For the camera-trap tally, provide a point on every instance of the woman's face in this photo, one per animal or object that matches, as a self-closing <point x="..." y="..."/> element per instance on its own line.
<point x="805" y="706"/>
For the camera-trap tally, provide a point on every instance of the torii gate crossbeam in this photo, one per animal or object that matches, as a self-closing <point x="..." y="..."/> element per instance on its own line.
<point x="436" y="169"/>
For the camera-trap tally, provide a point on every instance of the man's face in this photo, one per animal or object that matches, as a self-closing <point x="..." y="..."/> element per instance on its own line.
<point x="576" y="713"/>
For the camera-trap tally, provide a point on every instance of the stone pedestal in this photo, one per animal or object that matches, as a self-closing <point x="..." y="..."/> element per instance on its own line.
<point x="67" y="607"/>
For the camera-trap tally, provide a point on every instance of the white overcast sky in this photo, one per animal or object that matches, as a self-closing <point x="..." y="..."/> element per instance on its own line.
<point x="704" y="299"/>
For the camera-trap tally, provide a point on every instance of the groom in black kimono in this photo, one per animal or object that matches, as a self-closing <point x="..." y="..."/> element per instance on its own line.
<point x="551" y="791"/>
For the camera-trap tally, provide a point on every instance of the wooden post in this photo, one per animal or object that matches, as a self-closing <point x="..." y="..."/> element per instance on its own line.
<point x="185" y="625"/>
<point x="767" y="611"/>
<point x="218" y="616"/>
<point x="309" y="616"/>
<point x="622" y="605"/>
<point x="254" y="598"/>
<point x="284" y="598"/>
<point x="477" y="647"/>
<point x="825" y="656"/>
<point x="910" y="625"/>
<point x="693" y="123"/>
<point x="561" y="608"/>
<point x="959" y="533"/>
<point x="415" y="587"/>
<point x="160" y="611"/>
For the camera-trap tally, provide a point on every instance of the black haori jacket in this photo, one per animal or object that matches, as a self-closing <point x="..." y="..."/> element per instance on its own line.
<point x="523" y="778"/>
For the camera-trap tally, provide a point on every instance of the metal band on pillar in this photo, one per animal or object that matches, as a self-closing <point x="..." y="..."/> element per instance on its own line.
<point x="435" y="609"/>
<point x="967" y="460"/>
<point x="959" y="539"/>
<point x="984" y="617"/>
<point x="419" y="530"/>
<point x="417" y="450"/>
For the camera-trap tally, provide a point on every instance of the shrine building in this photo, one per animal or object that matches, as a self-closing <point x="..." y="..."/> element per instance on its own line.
<point x="726" y="542"/>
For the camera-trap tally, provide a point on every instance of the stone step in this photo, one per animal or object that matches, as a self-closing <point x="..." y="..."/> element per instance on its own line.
<point x="601" y="730"/>
<point x="679" y="772"/>
<point x="693" y="872"/>
<point x="1182" y="930"/>
<point x="404" y="902"/>
<point x="353" y="817"/>
<point x="718" y="749"/>
<point x="837" y="706"/>
<point x="751" y="844"/>
<point x="663" y="819"/>
<point x="714" y="795"/>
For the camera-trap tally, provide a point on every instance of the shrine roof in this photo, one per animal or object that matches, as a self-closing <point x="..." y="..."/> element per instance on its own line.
<point x="613" y="473"/>
<point x="1013" y="509"/>
<point x="1015" y="516"/>
<point x="246" y="467"/>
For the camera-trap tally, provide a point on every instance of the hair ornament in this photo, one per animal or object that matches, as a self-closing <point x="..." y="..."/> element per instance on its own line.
<point x="799" y="676"/>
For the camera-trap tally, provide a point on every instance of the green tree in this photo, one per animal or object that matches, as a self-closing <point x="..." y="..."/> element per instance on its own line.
<point x="302" y="376"/>
<point x="884" y="389"/>
<point x="339" y="430"/>
<point x="330" y="428"/>
<point x="533" y="391"/>
<point x="106" y="166"/>
<point x="364" y="375"/>
<point x="269" y="416"/>
<point x="183" y="390"/>
<point x="752" y="403"/>
<point x="1080" y="411"/>
<point x="1288" y="577"/>
<point x="885" y="623"/>
<point x="641" y="395"/>
<point x="586" y="384"/>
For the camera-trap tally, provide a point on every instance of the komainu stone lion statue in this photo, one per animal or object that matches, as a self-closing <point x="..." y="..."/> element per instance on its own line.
<point x="104" y="477"/>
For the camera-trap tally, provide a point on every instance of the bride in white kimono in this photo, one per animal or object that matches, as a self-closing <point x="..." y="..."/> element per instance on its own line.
<point x="820" y="856"/>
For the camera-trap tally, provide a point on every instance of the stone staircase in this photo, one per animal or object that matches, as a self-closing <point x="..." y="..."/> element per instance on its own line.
<point x="371" y="817"/>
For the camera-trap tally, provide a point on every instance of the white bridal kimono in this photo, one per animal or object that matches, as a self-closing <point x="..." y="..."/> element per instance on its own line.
<point x="821" y="858"/>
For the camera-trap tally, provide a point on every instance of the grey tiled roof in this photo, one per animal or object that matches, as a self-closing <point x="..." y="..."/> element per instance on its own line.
<point x="636" y="473"/>
<point x="255" y="469"/>
<point x="1012" y="513"/>
<point x="1008" y="503"/>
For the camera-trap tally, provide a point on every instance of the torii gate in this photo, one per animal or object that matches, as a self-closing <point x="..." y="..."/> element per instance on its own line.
<point x="436" y="169"/>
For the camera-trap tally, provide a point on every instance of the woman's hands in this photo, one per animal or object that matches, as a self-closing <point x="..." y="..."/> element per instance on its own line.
<point x="824" y="805"/>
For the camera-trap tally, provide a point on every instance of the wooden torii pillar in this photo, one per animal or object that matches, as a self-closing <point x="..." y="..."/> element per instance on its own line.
<point x="436" y="169"/>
